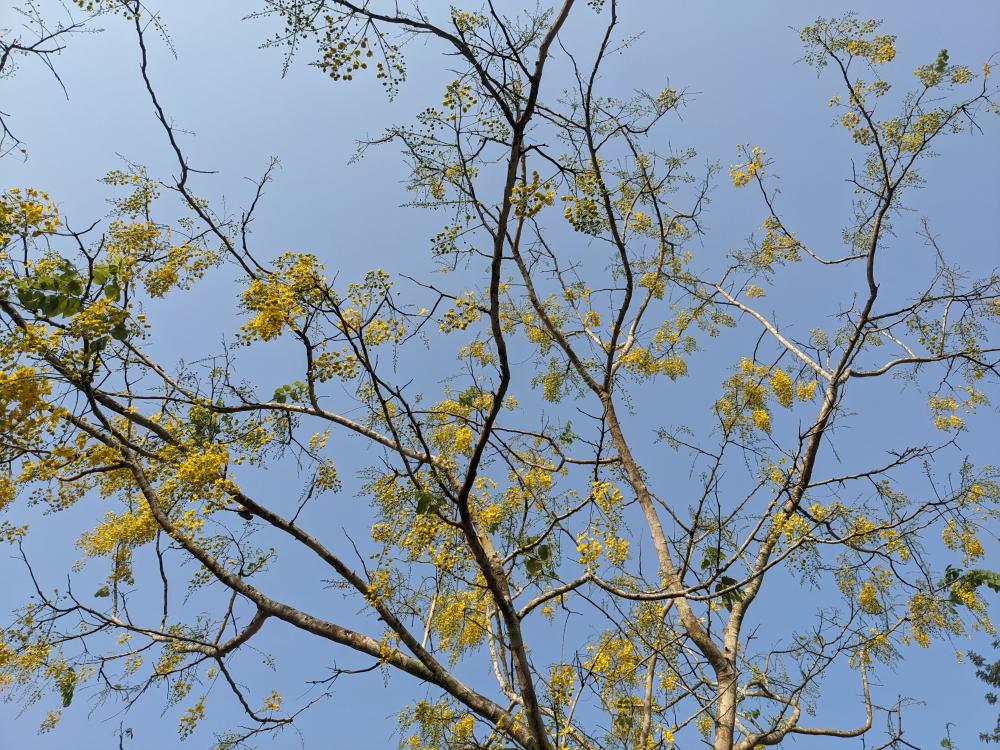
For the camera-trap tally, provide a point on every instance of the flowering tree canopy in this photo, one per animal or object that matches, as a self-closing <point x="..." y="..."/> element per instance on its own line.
<point x="558" y="575"/>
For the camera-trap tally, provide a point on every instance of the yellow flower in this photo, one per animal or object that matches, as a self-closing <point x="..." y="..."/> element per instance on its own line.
<point x="272" y="702"/>
<point x="781" y="384"/>
<point x="741" y="174"/>
<point x="528" y="198"/>
<point x="761" y="419"/>
<point x="189" y="721"/>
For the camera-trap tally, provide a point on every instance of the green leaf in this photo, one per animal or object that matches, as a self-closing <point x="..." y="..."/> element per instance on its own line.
<point x="976" y="577"/>
<point x="979" y="577"/>
<point x="102" y="592"/>
<point x="67" y="684"/>
<point x="942" y="61"/>
<point x="538" y="560"/>
<point x="710" y="558"/>
<point x="49" y="304"/>
<point x="428" y="502"/>
<point x="730" y="597"/>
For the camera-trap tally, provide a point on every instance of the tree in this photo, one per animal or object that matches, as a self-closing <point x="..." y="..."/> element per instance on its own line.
<point x="515" y="501"/>
<point x="988" y="672"/>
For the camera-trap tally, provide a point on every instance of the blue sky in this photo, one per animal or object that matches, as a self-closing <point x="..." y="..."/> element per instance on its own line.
<point x="739" y="60"/>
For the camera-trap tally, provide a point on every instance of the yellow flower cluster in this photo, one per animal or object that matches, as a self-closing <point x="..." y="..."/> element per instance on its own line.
<point x="465" y="21"/>
<point x="458" y="97"/>
<point x="913" y="135"/>
<point x="745" y="395"/>
<point x="982" y="490"/>
<point x="782" y="387"/>
<point x="872" y="591"/>
<point x="744" y="398"/>
<point x="277" y="298"/>
<point x="849" y="34"/>
<point x="536" y="479"/>
<point x="962" y="536"/>
<point x="461" y="315"/>
<point x="581" y="212"/>
<point x="201" y="469"/>
<point x="379" y="330"/>
<point x="894" y="544"/>
<point x="776" y="245"/>
<point x="673" y="332"/>
<point x="861" y="134"/>
<point x="704" y="725"/>
<point x="144" y="190"/>
<point x="592" y="319"/>
<point x="7" y="491"/>
<point x="96" y="319"/>
<point x="615" y="549"/>
<point x="444" y="241"/>
<point x="654" y="282"/>
<point x="641" y="362"/>
<point x="131" y="529"/>
<point x="437" y="727"/>
<point x="742" y="173"/>
<point x="528" y="198"/>
<point x="876" y="647"/>
<point x="641" y="221"/>
<point x="272" y="702"/>
<point x="552" y="382"/>
<point x="461" y="621"/>
<point x="933" y="75"/>
<point x="24" y="658"/>
<point x="117" y="535"/>
<point x="342" y="364"/>
<point x="878" y="50"/>
<point x="588" y="548"/>
<point x="602" y="536"/>
<point x="49" y="722"/>
<point x="562" y="678"/>
<point x="805" y="390"/>
<point x="274" y="306"/>
<point x="608" y="497"/>
<point x="457" y="173"/>
<point x="342" y="58"/>
<point x="461" y="731"/>
<point x="189" y="721"/>
<point x="930" y="615"/>
<point x="26" y="213"/>
<point x="868" y="598"/>
<point x="943" y="410"/>
<point x="183" y="264"/>
<point x="134" y="240"/>
<point x="667" y="98"/>
<point x="478" y="351"/>
<point x="792" y="527"/>
<point x="614" y="659"/>
<point x="22" y="400"/>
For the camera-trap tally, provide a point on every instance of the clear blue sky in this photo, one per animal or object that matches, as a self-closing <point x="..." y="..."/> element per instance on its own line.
<point x="740" y="59"/>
